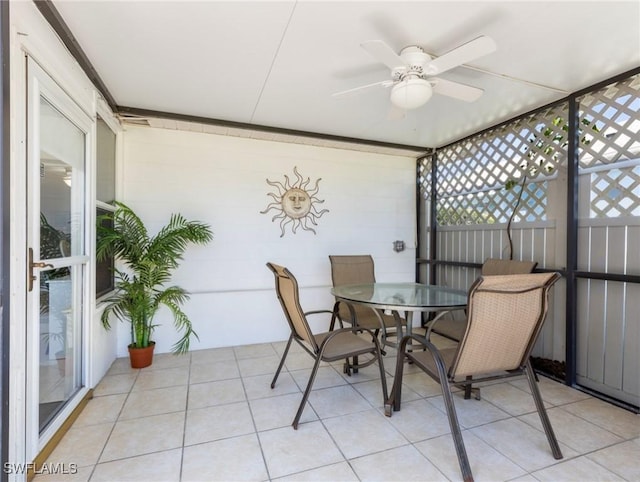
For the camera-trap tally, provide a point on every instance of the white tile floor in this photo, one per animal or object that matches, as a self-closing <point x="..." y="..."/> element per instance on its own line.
<point x="211" y="416"/>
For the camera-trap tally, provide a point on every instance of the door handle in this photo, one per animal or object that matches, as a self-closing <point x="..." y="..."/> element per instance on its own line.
<point x="39" y="264"/>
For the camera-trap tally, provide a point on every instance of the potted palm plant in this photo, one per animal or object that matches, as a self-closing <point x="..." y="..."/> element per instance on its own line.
<point x="141" y="286"/>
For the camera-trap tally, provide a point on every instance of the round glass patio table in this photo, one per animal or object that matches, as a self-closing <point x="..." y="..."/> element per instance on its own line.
<point x="403" y="297"/>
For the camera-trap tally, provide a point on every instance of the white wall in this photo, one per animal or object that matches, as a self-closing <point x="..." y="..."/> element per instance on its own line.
<point x="221" y="180"/>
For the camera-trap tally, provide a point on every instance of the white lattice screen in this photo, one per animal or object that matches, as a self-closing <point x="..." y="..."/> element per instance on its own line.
<point x="479" y="178"/>
<point x="610" y="148"/>
<point x="615" y="193"/>
<point x="493" y="206"/>
<point x="424" y="176"/>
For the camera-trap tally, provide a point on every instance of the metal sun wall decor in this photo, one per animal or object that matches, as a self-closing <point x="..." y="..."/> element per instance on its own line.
<point x="295" y="203"/>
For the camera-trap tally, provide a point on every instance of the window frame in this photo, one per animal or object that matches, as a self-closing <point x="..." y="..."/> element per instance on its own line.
<point x="104" y="113"/>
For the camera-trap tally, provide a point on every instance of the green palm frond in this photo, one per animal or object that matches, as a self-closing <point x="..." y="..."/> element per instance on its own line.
<point x="174" y="238"/>
<point x="149" y="261"/>
<point x="183" y="324"/>
<point x="153" y="274"/>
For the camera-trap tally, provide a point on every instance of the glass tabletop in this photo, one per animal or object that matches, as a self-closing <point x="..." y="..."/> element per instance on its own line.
<point x="402" y="296"/>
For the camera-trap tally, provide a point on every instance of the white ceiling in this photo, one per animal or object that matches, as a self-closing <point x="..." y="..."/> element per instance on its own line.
<point x="276" y="63"/>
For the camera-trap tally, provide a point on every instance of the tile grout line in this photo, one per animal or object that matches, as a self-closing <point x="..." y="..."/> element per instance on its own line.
<point x="253" y="420"/>
<point x="184" y="423"/>
<point x="113" y="427"/>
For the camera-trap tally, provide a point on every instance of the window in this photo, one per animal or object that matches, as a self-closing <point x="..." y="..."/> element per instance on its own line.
<point x="105" y="195"/>
<point x="104" y="268"/>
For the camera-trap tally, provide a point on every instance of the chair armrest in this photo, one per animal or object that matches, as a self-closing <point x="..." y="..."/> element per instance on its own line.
<point x="316" y="312"/>
<point x="334" y="316"/>
<point x="423" y="340"/>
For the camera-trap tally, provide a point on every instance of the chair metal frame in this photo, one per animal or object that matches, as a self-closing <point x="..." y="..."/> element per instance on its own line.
<point x="343" y="343"/>
<point x="444" y="366"/>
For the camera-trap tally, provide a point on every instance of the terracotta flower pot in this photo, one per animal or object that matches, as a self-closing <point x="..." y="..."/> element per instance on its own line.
<point x="141" y="357"/>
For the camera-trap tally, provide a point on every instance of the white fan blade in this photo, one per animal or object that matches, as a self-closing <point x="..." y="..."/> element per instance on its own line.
<point x="461" y="55"/>
<point x="383" y="53"/>
<point x="455" y="89"/>
<point x="384" y="83"/>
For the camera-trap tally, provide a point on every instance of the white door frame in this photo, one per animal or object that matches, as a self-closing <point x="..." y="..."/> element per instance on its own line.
<point x="40" y="84"/>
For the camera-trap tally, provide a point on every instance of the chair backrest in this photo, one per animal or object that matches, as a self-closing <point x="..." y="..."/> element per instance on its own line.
<point x="504" y="317"/>
<point x="288" y="294"/>
<point x="351" y="270"/>
<point x="496" y="266"/>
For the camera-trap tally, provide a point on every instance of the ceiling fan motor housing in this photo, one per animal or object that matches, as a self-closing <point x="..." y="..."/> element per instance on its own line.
<point x="416" y="60"/>
<point x="411" y="89"/>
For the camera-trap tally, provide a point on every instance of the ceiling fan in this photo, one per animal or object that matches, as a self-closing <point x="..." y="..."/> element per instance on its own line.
<point x="412" y="72"/>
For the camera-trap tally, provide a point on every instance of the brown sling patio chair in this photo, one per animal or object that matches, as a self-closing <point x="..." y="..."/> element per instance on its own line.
<point x="504" y="317"/>
<point x="359" y="269"/>
<point x="330" y="346"/>
<point x="454" y="329"/>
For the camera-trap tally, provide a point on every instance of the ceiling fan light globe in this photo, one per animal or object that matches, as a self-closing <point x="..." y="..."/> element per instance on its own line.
<point x="411" y="93"/>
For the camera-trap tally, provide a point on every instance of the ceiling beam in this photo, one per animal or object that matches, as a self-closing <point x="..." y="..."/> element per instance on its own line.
<point x="51" y="15"/>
